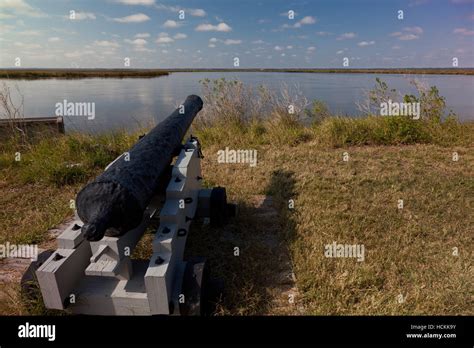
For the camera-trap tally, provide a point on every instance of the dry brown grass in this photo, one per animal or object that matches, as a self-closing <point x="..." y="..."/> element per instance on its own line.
<point x="408" y="252"/>
<point x="30" y="210"/>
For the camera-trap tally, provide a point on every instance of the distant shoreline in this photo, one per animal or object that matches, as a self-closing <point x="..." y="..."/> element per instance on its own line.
<point x="67" y="74"/>
<point x="33" y="74"/>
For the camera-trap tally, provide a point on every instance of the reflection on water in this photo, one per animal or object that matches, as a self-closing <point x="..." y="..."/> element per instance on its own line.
<point x="129" y="103"/>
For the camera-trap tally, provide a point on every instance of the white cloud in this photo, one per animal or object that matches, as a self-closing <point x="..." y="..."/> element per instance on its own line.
<point x="140" y="48"/>
<point x="307" y="20"/>
<point x="180" y="36"/>
<point x="211" y="45"/>
<point x="20" y="8"/>
<point x="396" y="47"/>
<point x="408" y="37"/>
<point x="416" y="30"/>
<point x="223" y="27"/>
<point x="408" y="33"/>
<point x="197" y="12"/>
<point x="258" y="42"/>
<point x="27" y="46"/>
<point x="139" y="45"/>
<point x="54" y="39"/>
<point x="74" y="54"/>
<point x="105" y="43"/>
<point x="137" y="42"/>
<point x="340" y="52"/>
<point x="311" y="48"/>
<point x="136" y="2"/>
<point x="135" y="18"/>
<point x="366" y="43"/>
<point x="232" y="42"/>
<point x="278" y="48"/>
<point x="142" y="35"/>
<point x="6" y="16"/>
<point x="82" y="16"/>
<point x="171" y="24"/>
<point x="346" y="36"/>
<point x="212" y="39"/>
<point x="164" y="40"/>
<point x="30" y="33"/>
<point x="463" y="31"/>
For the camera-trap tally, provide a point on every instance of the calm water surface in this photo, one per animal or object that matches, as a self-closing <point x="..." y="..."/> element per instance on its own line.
<point x="128" y="103"/>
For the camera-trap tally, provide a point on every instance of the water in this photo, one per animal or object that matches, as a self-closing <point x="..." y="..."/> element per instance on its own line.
<point x="129" y="103"/>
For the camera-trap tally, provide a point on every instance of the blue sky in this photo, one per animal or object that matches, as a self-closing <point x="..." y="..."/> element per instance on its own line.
<point x="103" y="33"/>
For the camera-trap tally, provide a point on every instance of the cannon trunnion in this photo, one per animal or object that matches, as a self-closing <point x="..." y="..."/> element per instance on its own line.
<point x="91" y="272"/>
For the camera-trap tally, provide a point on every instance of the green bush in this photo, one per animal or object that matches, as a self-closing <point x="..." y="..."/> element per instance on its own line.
<point x="391" y="130"/>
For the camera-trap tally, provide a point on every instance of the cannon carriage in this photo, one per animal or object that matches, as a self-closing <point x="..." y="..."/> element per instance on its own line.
<point x="92" y="272"/>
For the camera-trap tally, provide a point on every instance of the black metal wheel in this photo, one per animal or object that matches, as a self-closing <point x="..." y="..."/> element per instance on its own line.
<point x="200" y="290"/>
<point x="219" y="215"/>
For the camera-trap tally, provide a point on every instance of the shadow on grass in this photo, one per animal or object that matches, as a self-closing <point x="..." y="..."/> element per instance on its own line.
<point x="250" y="254"/>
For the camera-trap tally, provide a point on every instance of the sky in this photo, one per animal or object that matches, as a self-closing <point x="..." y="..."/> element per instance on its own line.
<point x="213" y="33"/>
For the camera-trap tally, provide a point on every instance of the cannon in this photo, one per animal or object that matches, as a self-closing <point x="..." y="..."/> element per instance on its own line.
<point x="92" y="271"/>
<point x="115" y="201"/>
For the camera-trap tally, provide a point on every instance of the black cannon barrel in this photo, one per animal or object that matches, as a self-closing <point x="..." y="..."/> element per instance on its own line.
<point x="116" y="200"/>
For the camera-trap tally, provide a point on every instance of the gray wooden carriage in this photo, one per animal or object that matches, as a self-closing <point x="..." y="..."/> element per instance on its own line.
<point x="91" y="272"/>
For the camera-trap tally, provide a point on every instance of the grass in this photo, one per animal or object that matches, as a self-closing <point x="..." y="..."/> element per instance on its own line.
<point x="47" y="177"/>
<point x="410" y="266"/>
<point x="32" y="74"/>
<point x="409" y="251"/>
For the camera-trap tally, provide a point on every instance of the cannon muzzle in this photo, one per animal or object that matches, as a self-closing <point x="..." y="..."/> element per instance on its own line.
<point x="116" y="200"/>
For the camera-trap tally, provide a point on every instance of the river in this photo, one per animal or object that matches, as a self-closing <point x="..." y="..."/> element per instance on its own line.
<point x="129" y="103"/>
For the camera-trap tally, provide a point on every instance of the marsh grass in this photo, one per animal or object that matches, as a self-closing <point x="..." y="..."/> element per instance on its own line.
<point x="33" y="74"/>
